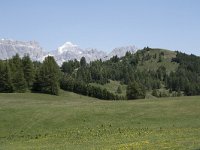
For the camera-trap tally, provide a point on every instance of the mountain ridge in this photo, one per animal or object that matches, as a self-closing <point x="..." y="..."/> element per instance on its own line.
<point x="9" y="48"/>
<point x="67" y="51"/>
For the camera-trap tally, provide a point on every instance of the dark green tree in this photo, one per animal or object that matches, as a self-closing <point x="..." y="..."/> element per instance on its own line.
<point x="49" y="76"/>
<point x="29" y="71"/>
<point x="18" y="80"/>
<point x="83" y="62"/>
<point x="5" y="78"/>
<point x="135" y="91"/>
<point x="37" y="84"/>
<point x="70" y="66"/>
<point x="67" y="83"/>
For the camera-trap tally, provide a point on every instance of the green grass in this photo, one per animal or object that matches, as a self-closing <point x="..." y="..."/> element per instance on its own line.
<point x="71" y="121"/>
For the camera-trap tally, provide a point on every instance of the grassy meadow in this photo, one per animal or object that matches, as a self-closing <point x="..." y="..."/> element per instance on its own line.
<point x="71" y="121"/>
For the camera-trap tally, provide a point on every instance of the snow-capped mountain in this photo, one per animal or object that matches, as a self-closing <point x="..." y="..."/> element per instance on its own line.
<point x="68" y="51"/>
<point x="69" y="47"/>
<point x="9" y="48"/>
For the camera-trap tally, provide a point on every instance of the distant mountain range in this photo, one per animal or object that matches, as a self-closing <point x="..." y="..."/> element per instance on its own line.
<point x="9" y="48"/>
<point x="67" y="51"/>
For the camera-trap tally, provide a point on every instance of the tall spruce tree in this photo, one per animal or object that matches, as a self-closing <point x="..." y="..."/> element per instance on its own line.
<point x="28" y="69"/>
<point x="37" y="82"/>
<point x="5" y="78"/>
<point x="18" y="80"/>
<point x="49" y="76"/>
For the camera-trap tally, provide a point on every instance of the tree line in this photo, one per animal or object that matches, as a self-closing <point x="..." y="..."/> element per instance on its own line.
<point x="70" y="84"/>
<point x="22" y="75"/>
<point x="185" y="79"/>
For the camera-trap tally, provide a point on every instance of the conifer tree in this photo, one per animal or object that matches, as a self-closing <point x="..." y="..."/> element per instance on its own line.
<point x="83" y="62"/>
<point x="135" y="91"/>
<point x="36" y="87"/>
<point x="18" y="80"/>
<point x="5" y="78"/>
<point x="28" y="69"/>
<point x="49" y="76"/>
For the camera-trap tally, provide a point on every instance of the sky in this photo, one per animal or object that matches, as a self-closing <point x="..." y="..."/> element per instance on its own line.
<point x="104" y="24"/>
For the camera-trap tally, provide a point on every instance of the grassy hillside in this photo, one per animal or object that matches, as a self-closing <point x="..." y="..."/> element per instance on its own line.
<point x="70" y="121"/>
<point x="149" y="60"/>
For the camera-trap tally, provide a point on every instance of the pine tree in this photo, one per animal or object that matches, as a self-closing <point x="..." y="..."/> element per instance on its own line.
<point x="135" y="91"/>
<point x="18" y="79"/>
<point x="83" y="62"/>
<point x="49" y="76"/>
<point x="37" y="81"/>
<point x="28" y="69"/>
<point x="5" y="78"/>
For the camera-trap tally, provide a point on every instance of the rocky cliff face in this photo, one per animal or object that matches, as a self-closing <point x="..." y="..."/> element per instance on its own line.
<point x="9" y="48"/>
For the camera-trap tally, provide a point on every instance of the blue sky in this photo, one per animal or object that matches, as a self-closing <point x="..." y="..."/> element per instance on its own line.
<point x="104" y="24"/>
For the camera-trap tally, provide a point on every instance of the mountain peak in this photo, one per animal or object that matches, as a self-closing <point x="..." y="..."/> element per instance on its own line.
<point x="67" y="46"/>
<point x="70" y="44"/>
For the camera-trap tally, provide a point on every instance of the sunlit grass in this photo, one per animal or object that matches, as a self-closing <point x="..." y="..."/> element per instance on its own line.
<point x="71" y="121"/>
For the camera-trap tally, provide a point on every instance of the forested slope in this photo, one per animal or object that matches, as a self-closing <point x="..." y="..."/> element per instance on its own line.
<point x="157" y="72"/>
